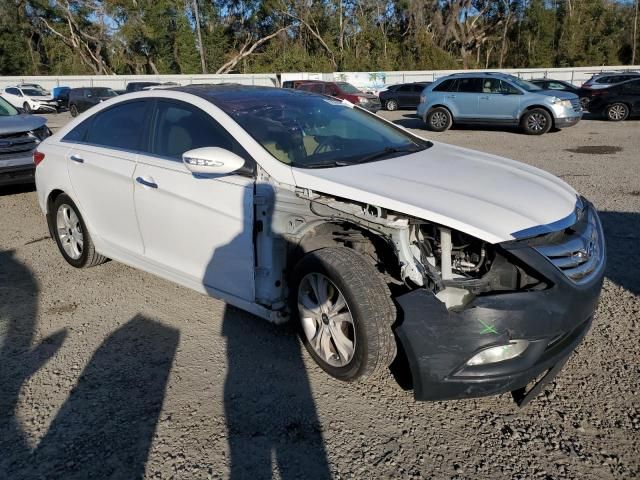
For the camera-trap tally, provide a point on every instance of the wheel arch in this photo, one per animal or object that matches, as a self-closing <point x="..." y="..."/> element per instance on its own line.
<point x="542" y="107"/>
<point x="438" y="105"/>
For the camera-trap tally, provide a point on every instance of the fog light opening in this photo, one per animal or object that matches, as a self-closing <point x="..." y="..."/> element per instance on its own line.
<point x="499" y="353"/>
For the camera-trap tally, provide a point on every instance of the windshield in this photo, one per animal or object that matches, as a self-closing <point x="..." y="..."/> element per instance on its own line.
<point x="523" y="84"/>
<point x="32" y="92"/>
<point x="348" y="88"/>
<point x="310" y="131"/>
<point x="6" y="109"/>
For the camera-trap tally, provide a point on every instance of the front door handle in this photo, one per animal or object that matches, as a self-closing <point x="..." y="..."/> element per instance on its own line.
<point x="76" y="158"/>
<point x="146" y="183"/>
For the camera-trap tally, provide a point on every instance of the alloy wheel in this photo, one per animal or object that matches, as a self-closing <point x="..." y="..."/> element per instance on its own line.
<point x="326" y="320"/>
<point x="617" y="112"/>
<point x="536" y="122"/>
<point x="392" y="105"/>
<point x="439" y="120"/>
<point x="69" y="231"/>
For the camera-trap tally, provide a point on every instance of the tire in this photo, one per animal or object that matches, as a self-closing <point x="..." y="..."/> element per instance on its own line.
<point x="536" y="121"/>
<point x="439" y="119"/>
<point x="368" y="310"/>
<point x="73" y="110"/>
<point x="26" y="107"/>
<point x="616" y="112"/>
<point x="72" y="236"/>
<point x="584" y="103"/>
<point x="391" y="105"/>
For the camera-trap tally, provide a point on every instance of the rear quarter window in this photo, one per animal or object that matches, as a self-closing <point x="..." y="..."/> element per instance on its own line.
<point x="445" y="86"/>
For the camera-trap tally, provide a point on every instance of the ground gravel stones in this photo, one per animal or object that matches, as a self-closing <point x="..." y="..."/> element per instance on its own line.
<point x="113" y="373"/>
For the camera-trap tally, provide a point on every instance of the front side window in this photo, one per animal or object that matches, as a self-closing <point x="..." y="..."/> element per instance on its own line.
<point x="120" y="126"/>
<point x="180" y="127"/>
<point x="556" y="86"/>
<point x="348" y="88"/>
<point x="404" y="88"/>
<point x="313" y="132"/>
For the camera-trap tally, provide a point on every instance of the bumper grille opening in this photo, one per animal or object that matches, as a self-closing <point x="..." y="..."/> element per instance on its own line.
<point x="19" y="142"/>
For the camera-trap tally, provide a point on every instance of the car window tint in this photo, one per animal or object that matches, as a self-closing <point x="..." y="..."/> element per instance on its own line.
<point x="445" y="86"/>
<point x="78" y="134"/>
<point x="470" y="85"/>
<point x="556" y="86"/>
<point x="118" y="127"/>
<point x="180" y="127"/>
<point x="632" y="88"/>
<point x="12" y="91"/>
<point x="417" y="87"/>
<point x="404" y="88"/>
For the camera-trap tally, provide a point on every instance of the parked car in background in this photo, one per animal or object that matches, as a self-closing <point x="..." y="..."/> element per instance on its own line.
<point x="296" y="207"/>
<point x="296" y="83"/>
<point x="607" y="79"/>
<point x="33" y="86"/>
<point x="137" y="86"/>
<point x="403" y="95"/>
<point x="496" y="99"/>
<point x="618" y="102"/>
<point x="81" y="99"/>
<point x="561" y="85"/>
<point x="61" y="96"/>
<point x="29" y="99"/>
<point x="344" y="91"/>
<point x="19" y="136"/>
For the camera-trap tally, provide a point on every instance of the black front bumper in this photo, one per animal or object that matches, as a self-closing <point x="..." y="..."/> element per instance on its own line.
<point x="16" y="175"/>
<point x="439" y="342"/>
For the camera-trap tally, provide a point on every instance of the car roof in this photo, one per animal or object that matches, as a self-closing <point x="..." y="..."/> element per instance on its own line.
<point x="225" y="93"/>
<point x="478" y="74"/>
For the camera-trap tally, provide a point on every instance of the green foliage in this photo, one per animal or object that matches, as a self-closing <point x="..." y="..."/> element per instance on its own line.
<point x="149" y="36"/>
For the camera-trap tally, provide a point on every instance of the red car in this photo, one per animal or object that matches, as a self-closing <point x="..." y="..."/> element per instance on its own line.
<point x="343" y="91"/>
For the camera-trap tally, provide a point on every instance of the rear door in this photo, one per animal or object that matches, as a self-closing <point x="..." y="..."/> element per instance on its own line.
<point x="403" y="95"/>
<point x="101" y="161"/>
<point x="630" y="93"/>
<point x="197" y="228"/>
<point x="464" y="102"/>
<point x="499" y="101"/>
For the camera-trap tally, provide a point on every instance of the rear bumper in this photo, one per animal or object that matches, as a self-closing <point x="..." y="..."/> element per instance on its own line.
<point x="438" y="342"/>
<point x="17" y="174"/>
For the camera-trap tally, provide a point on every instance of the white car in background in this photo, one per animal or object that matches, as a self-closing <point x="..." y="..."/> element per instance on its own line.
<point x="29" y="99"/>
<point x="293" y="205"/>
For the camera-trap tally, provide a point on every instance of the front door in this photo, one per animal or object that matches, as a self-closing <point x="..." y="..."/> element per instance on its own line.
<point x="200" y="228"/>
<point x="499" y="101"/>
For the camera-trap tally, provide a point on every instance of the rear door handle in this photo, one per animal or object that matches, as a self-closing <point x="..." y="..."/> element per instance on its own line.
<point x="146" y="183"/>
<point x="76" y="158"/>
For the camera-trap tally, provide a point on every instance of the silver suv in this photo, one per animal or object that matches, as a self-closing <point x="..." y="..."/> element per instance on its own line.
<point x="496" y="99"/>
<point x="19" y="136"/>
<point x="607" y="79"/>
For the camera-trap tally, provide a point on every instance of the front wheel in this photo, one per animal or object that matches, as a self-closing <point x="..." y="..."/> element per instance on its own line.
<point x="391" y="105"/>
<point x="73" y="110"/>
<point x="26" y="107"/>
<point x="536" y="122"/>
<point x="617" y="112"/>
<point x="439" y="119"/>
<point x="71" y="234"/>
<point x="345" y="313"/>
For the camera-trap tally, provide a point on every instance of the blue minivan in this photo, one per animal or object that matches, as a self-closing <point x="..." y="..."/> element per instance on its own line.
<point x="496" y="98"/>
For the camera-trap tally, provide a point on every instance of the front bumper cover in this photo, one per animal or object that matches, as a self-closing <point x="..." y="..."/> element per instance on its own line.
<point x="438" y="342"/>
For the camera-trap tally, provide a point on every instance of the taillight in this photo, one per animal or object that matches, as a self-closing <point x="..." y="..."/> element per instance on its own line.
<point x="37" y="157"/>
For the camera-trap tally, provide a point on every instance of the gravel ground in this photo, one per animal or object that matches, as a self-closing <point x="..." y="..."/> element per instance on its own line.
<point x="114" y="373"/>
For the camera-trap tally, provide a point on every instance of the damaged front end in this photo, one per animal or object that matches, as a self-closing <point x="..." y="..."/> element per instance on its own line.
<point x="502" y="315"/>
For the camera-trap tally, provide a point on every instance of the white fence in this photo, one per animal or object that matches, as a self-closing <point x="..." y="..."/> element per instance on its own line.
<point x="366" y="80"/>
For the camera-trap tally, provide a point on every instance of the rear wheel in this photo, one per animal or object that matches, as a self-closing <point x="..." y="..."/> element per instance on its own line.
<point x="71" y="234"/>
<point x="73" y="110"/>
<point x="536" y="122"/>
<point x="391" y="105"/>
<point x="26" y="107"/>
<point x="345" y="313"/>
<point x="617" y="112"/>
<point x="439" y="119"/>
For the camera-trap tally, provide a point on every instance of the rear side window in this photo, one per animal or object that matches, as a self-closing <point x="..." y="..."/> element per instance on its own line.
<point x="12" y="91"/>
<point x="446" y="86"/>
<point x="470" y="85"/>
<point x="119" y="127"/>
<point x="417" y="87"/>
<point x="78" y="134"/>
<point x="404" y="88"/>
<point x="632" y="88"/>
<point x="180" y="127"/>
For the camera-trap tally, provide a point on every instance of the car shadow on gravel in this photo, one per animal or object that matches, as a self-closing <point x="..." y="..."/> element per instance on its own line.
<point x="106" y="425"/>
<point x="15" y="189"/>
<point x="622" y="234"/>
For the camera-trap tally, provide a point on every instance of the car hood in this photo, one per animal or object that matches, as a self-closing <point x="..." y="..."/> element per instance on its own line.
<point x="20" y="123"/>
<point x="560" y="94"/>
<point x="486" y="196"/>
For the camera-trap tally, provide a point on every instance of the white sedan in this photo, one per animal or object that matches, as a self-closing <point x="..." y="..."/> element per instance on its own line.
<point x="479" y="272"/>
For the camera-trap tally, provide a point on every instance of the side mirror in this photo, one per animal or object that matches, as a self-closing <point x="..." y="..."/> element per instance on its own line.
<point x="212" y="160"/>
